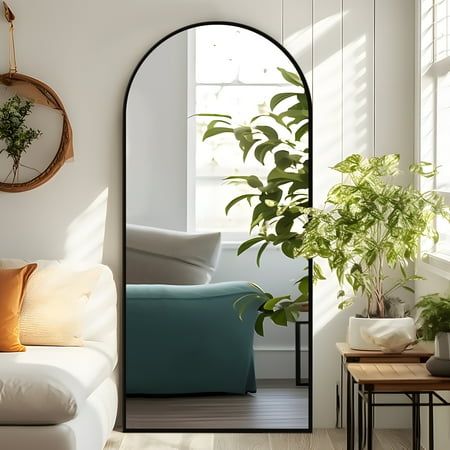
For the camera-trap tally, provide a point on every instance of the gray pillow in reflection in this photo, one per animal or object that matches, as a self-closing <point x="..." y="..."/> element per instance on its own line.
<point x="156" y="256"/>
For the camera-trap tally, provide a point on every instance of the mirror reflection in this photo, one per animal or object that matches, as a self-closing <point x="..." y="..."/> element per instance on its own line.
<point x="217" y="150"/>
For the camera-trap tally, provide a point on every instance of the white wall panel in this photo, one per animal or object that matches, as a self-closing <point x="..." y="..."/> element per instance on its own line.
<point x="357" y="78"/>
<point x="298" y="34"/>
<point x="327" y="151"/>
<point x="394" y="80"/>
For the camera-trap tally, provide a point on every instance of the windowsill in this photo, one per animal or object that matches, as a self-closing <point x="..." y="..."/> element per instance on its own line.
<point x="438" y="263"/>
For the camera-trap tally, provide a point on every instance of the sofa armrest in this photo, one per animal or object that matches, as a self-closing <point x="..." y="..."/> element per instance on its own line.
<point x="100" y="322"/>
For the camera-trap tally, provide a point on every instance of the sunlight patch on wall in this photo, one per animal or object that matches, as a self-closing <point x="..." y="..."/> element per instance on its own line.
<point x="325" y="302"/>
<point x="85" y="235"/>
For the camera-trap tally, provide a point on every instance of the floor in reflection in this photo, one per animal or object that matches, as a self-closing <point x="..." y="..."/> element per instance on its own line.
<point x="276" y="404"/>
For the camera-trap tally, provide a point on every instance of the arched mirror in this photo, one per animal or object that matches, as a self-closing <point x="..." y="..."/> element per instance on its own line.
<point x="217" y="134"/>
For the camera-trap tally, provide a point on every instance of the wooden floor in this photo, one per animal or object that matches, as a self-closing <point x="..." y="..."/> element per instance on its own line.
<point x="319" y="440"/>
<point x="276" y="404"/>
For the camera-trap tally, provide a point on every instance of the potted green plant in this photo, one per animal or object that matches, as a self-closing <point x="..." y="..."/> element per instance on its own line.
<point x="369" y="230"/>
<point x="434" y="324"/>
<point x="434" y="316"/>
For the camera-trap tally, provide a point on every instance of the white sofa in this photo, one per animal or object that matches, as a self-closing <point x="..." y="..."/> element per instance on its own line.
<point x="63" y="398"/>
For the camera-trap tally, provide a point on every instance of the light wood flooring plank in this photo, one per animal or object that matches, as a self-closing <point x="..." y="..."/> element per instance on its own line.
<point x="330" y="439"/>
<point x="114" y="441"/>
<point x="168" y="441"/>
<point x="394" y="439"/>
<point x="319" y="439"/>
<point x="247" y="441"/>
<point x="338" y="438"/>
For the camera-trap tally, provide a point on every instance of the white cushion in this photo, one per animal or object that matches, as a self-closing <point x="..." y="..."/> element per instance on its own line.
<point x="54" y="305"/>
<point x="88" y="431"/>
<point x="49" y="385"/>
<point x="156" y="256"/>
<point x="99" y="322"/>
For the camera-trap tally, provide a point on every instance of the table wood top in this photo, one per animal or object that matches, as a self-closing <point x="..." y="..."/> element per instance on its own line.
<point x="397" y="376"/>
<point x="422" y="349"/>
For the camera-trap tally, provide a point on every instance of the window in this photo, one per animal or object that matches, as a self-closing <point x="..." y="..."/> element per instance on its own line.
<point x="226" y="78"/>
<point x="435" y="108"/>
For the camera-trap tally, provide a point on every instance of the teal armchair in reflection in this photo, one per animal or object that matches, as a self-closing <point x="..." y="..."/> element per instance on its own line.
<point x="189" y="339"/>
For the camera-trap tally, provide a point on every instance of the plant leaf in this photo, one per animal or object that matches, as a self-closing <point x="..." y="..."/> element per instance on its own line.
<point x="290" y="77"/>
<point x="217" y="130"/>
<point x="237" y="200"/>
<point x="249" y="243"/>
<point x="211" y="115"/>
<point x="278" y="98"/>
<point x="260" y="252"/>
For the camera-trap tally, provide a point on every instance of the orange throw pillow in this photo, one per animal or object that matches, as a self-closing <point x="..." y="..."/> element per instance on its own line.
<point x="12" y="288"/>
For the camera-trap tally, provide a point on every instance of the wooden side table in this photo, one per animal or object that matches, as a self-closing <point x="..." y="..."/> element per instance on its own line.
<point x="412" y="380"/>
<point x="418" y="354"/>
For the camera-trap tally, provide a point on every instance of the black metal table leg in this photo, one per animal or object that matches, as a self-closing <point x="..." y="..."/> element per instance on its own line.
<point x="414" y="413"/>
<point x="341" y="412"/>
<point x="370" y="421"/>
<point x="415" y="397"/>
<point x="338" y="406"/>
<point x="352" y="401"/>
<point x="360" y="424"/>
<point x="350" y="413"/>
<point x="430" y="422"/>
<point x="297" y="354"/>
<point x="418" y="421"/>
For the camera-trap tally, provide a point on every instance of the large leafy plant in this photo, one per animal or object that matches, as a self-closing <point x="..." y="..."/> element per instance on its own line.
<point x="370" y="228"/>
<point x="278" y="200"/>
<point x="15" y="133"/>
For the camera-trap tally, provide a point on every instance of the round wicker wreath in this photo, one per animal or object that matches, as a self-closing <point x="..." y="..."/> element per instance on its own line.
<point x="40" y="93"/>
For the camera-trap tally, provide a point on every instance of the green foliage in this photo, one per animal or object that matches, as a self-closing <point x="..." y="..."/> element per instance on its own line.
<point x="369" y="229"/>
<point x="372" y="226"/>
<point x="434" y="315"/>
<point x="277" y="201"/>
<point x="368" y="232"/>
<point x="14" y="132"/>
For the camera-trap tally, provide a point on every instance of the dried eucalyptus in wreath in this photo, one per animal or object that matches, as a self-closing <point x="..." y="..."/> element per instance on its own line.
<point x="16" y="135"/>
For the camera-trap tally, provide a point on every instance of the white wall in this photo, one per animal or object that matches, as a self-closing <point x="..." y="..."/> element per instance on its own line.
<point x="156" y="139"/>
<point x="87" y="51"/>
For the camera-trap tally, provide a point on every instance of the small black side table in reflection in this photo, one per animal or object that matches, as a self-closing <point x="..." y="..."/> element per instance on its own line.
<point x="299" y="381"/>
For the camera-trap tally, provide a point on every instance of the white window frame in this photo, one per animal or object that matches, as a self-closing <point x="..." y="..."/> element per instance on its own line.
<point x="230" y="239"/>
<point x="433" y="259"/>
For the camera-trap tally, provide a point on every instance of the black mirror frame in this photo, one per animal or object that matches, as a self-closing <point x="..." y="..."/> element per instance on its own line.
<point x="122" y="384"/>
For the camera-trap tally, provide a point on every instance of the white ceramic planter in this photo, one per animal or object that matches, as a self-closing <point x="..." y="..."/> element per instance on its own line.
<point x="380" y="334"/>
